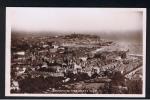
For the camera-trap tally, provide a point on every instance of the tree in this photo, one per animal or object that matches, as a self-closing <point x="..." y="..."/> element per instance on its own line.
<point x="134" y="86"/>
<point x="118" y="79"/>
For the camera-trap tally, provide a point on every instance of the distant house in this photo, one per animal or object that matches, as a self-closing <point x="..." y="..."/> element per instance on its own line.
<point x="45" y="46"/>
<point x="53" y="50"/>
<point x="15" y="85"/>
<point x="61" y="49"/>
<point x="21" y="71"/>
<point x="19" y="53"/>
<point x="76" y="66"/>
<point x="96" y="69"/>
<point x="109" y="66"/>
<point x="83" y="58"/>
<point x="44" y="65"/>
<point x="42" y="51"/>
<point x="55" y="46"/>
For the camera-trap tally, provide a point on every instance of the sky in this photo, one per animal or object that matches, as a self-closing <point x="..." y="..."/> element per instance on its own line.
<point x="75" y="19"/>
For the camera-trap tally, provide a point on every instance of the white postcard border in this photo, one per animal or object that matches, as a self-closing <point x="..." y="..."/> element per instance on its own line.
<point x="8" y="61"/>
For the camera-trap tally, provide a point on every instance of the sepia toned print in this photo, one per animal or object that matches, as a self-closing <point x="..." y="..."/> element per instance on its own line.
<point x="75" y="52"/>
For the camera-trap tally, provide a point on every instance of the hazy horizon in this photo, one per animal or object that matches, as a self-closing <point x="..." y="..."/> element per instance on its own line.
<point x="75" y="20"/>
<point x="115" y="23"/>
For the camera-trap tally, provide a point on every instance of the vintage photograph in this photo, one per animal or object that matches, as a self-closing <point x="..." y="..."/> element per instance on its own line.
<point x="73" y="52"/>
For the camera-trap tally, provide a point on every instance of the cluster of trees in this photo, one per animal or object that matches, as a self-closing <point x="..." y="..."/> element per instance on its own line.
<point x="131" y="86"/>
<point x="38" y="84"/>
<point x="116" y="86"/>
